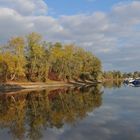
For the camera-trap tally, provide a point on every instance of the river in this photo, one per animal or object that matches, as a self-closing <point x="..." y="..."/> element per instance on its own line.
<point x="109" y="112"/>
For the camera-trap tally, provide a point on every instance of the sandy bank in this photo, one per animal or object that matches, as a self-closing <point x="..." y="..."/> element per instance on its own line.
<point x="29" y="85"/>
<point x="40" y="85"/>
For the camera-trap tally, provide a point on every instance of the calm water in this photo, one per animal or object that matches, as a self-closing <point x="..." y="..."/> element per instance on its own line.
<point x="93" y="113"/>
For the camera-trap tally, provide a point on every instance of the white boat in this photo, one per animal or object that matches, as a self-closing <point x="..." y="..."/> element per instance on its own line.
<point x="129" y="80"/>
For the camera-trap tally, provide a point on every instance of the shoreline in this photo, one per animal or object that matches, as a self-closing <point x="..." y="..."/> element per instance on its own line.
<point x="20" y="86"/>
<point x="40" y="85"/>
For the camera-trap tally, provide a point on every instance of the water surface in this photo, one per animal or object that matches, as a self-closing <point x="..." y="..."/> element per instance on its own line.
<point x="91" y="113"/>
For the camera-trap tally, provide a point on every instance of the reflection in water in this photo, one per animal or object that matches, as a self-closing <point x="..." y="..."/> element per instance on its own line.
<point x="113" y="84"/>
<point x="27" y="115"/>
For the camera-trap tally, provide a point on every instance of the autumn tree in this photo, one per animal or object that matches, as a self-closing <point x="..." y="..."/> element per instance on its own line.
<point x="37" y="66"/>
<point x="16" y="48"/>
<point x="36" y="60"/>
<point x="12" y="59"/>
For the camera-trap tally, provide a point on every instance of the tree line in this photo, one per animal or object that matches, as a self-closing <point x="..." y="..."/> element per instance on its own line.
<point x="32" y="59"/>
<point x="112" y="75"/>
<point x="135" y="74"/>
<point x="118" y="75"/>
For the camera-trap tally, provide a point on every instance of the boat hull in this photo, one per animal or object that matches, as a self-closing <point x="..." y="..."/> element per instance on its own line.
<point x="136" y="82"/>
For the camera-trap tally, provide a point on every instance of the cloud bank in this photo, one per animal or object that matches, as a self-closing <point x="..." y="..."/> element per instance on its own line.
<point x="113" y="36"/>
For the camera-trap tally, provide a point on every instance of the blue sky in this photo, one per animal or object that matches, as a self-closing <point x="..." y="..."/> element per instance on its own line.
<point x="110" y="29"/>
<point x="70" y="7"/>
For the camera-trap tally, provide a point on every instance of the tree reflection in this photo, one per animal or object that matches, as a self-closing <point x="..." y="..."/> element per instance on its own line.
<point x="113" y="84"/>
<point x="26" y="115"/>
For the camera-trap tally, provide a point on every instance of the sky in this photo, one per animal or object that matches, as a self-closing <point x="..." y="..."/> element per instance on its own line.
<point x="110" y="29"/>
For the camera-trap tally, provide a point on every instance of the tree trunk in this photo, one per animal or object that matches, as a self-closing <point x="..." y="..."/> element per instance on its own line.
<point x="13" y="76"/>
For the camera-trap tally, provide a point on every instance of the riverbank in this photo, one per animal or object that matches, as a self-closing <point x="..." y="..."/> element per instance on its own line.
<point x="40" y="85"/>
<point x="31" y="85"/>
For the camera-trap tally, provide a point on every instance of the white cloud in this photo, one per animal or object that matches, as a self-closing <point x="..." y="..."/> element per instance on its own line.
<point x="110" y="35"/>
<point x="26" y="7"/>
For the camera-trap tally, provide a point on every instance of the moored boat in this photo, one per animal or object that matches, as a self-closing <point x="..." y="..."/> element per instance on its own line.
<point x="129" y="80"/>
<point x="136" y="81"/>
